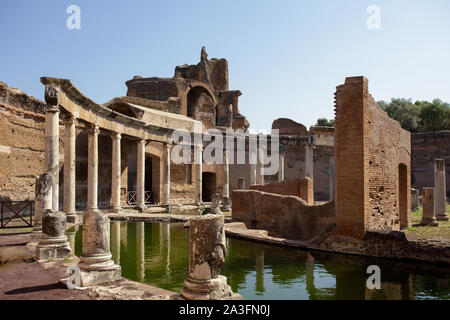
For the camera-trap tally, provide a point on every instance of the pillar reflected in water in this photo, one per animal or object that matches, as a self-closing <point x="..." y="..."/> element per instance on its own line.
<point x="259" y="284"/>
<point x="309" y="271"/>
<point x="115" y="241"/>
<point x="123" y="233"/>
<point x="140" y="250"/>
<point x="71" y="236"/>
<point x="164" y="242"/>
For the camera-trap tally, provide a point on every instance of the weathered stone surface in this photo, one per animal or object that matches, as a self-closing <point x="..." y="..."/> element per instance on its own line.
<point x="53" y="242"/>
<point x="429" y="216"/>
<point x="207" y="252"/>
<point x="440" y="198"/>
<point x="215" y="204"/>
<point x="414" y="199"/>
<point x="282" y="216"/>
<point x="42" y="202"/>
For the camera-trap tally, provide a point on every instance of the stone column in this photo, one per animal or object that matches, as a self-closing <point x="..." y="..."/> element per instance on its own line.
<point x="140" y="181"/>
<point x="440" y="196"/>
<point x="95" y="263"/>
<point x="166" y="175"/>
<point x="42" y="203"/>
<point x="52" y="141"/>
<point x="226" y="202"/>
<point x="428" y="217"/>
<point x="252" y="174"/>
<point x="53" y="243"/>
<point x="207" y="253"/>
<point x="414" y="199"/>
<point x="116" y="173"/>
<point x="69" y="169"/>
<point x="198" y="156"/>
<point x="281" y="168"/>
<point x="331" y="177"/>
<point x="309" y="162"/>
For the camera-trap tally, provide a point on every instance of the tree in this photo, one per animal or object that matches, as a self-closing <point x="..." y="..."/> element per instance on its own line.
<point x="434" y="116"/>
<point x="323" y="122"/>
<point x="404" y="111"/>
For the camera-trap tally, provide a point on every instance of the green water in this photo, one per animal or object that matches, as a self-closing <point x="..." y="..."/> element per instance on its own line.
<point x="158" y="254"/>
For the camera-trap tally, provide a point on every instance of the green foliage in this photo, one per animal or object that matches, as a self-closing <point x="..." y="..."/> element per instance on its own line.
<point x="419" y="116"/>
<point x="323" y="122"/>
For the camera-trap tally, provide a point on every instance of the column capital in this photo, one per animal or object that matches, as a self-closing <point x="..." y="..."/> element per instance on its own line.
<point x="168" y="145"/>
<point x="142" y="141"/>
<point x="51" y="109"/>
<point x="68" y="119"/>
<point x="52" y="95"/>
<point x="116" y="136"/>
<point x="93" y="129"/>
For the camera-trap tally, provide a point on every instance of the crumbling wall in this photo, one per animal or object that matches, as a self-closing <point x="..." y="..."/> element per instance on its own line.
<point x="425" y="147"/>
<point x="302" y="187"/>
<point x="282" y="216"/>
<point x="21" y="143"/>
<point x="370" y="149"/>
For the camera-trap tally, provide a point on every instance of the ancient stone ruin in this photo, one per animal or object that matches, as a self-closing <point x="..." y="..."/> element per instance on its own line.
<point x="207" y="253"/>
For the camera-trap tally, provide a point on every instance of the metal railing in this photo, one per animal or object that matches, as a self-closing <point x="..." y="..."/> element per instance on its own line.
<point x="131" y="198"/>
<point x="11" y="214"/>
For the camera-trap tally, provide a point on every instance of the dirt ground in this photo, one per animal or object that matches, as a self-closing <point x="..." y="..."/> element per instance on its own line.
<point x="416" y="231"/>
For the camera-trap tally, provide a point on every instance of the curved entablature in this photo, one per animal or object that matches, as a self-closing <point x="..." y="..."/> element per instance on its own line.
<point x="158" y="126"/>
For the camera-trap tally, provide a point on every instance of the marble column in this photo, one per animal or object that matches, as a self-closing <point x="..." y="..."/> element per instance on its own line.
<point x="281" y="168"/>
<point x="95" y="263"/>
<point x="166" y="175"/>
<point x="140" y="179"/>
<point x="69" y="169"/>
<point x="226" y="202"/>
<point x="52" y="151"/>
<point x="42" y="203"/>
<point x="440" y="196"/>
<point x="116" y="173"/>
<point x="252" y="174"/>
<point x="207" y="252"/>
<point x="414" y="199"/>
<point x="198" y="156"/>
<point x="331" y="177"/>
<point x="428" y="217"/>
<point x="309" y="161"/>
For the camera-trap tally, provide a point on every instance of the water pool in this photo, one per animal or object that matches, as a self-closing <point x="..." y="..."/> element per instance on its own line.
<point x="158" y="254"/>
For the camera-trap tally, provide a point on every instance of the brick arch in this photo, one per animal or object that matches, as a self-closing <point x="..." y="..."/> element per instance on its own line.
<point x="200" y="87"/>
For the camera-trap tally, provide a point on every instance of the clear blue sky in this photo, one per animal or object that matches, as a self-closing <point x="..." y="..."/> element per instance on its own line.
<point x="286" y="57"/>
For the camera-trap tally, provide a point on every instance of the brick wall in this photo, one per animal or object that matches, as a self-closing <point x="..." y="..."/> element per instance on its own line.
<point x="370" y="151"/>
<point x="301" y="187"/>
<point x="425" y="147"/>
<point x="282" y="216"/>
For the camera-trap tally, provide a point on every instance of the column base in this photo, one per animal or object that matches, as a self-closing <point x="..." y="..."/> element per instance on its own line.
<point x="213" y="289"/>
<point x="91" y="277"/>
<point x="429" y="222"/>
<point x="115" y="209"/>
<point x="141" y="208"/>
<point x="442" y="217"/>
<point x="53" y="248"/>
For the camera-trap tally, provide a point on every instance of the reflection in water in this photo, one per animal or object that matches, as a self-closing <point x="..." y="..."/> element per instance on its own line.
<point x="115" y="241"/>
<point x="158" y="254"/>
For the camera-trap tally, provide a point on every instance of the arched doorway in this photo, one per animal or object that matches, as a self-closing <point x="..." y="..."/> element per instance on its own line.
<point x="197" y="96"/>
<point x="403" y="195"/>
<point x="208" y="185"/>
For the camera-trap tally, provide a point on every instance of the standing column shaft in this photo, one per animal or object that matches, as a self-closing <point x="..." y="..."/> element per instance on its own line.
<point x="166" y="173"/>
<point x="92" y="167"/>
<point x="198" y="157"/>
<point x="428" y="216"/>
<point x="52" y="151"/>
<point x="140" y="181"/>
<point x="69" y="168"/>
<point x="440" y="203"/>
<point x="116" y="172"/>
<point x="309" y="162"/>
